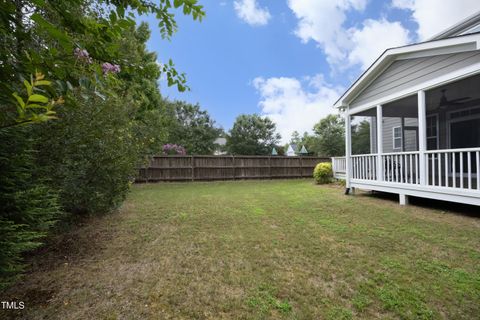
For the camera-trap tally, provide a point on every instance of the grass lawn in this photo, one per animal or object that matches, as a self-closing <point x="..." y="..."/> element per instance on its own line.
<point x="258" y="250"/>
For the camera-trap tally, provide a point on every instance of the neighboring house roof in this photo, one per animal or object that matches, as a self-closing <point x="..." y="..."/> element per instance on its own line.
<point x="303" y="150"/>
<point x="292" y="149"/>
<point x="447" y="42"/>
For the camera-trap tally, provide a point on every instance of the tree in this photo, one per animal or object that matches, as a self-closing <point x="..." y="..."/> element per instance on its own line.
<point x="252" y="135"/>
<point x="331" y="135"/>
<point x="361" y="138"/>
<point x="28" y="205"/>
<point x="312" y="143"/>
<point x="296" y="139"/>
<point x="193" y="128"/>
<point x="89" y="57"/>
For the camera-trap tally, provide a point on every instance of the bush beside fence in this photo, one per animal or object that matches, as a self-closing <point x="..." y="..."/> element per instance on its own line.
<point x="201" y="168"/>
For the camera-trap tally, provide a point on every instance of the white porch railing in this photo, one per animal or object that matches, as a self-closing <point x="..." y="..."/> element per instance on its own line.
<point x="339" y="167"/>
<point x="449" y="168"/>
<point x="453" y="168"/>
<point x="364" y="166"/>
<point x="402" y="167"/>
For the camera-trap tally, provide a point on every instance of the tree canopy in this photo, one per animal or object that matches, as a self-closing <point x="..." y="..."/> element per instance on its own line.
<point x="193" y="128"/>
<point x="252" y="135"/>
<point x="361" y="138"/>
<point x="331" y="135"/>
<point x="80" y="110"/>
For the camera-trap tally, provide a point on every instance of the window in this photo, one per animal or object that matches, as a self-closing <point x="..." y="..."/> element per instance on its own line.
<point x="432" y="132"/>
<point x="397" y="137"/>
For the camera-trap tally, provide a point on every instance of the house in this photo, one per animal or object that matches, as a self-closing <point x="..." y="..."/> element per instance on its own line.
<point x="220" y="144"/>
<point x="291" y="150"/>
<point x="423" y="105"/>
<point x="303" y="151"/>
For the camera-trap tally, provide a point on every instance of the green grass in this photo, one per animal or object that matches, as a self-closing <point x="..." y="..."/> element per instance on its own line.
<point x="258" y="250"/>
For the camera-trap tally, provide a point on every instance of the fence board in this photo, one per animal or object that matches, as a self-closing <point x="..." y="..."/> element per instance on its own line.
<point x="201" y="168"/>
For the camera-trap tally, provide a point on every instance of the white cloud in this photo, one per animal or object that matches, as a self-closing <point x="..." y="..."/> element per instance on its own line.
<point x="294" y="104"/>
<point x="434" y="16"/>
<point x="375" y="36"/>
<point x="323" y="21"/>
<point x="250" y="12"/>
<point x="297" y="105"/>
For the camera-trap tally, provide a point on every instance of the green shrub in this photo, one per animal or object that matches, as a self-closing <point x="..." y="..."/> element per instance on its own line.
<point x="28" y="206"/>
<point x="95" y="152"/>
<point x="323" y="173"/>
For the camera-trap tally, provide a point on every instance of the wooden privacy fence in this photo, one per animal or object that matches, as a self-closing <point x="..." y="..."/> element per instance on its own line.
<point x="184" y="168"/>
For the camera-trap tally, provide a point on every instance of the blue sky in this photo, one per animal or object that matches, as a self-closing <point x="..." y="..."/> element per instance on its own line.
<point x="290" y="59"/>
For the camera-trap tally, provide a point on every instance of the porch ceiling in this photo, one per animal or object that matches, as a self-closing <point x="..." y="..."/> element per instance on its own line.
<point x="407" y="107"/>
<point x="468" y="87"/>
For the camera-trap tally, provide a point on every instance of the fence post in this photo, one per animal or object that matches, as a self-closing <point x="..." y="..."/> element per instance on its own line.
<point x="301" y="167"/>
<point x="334" y="169"/>
<point x="192" y="163"/>
<point x="270" y="167"/>
<point x="233" y="166"/>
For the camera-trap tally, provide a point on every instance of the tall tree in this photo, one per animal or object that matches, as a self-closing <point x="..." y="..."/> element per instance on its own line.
<point x="296" y="139"/>
<point x="312" y="143"/>
<point x="193" y="129"/>
<point x="252" y="135"/>
<point x="361" y="138"/>
<point x="331" y="135"/>
<point x="87" y="57"/>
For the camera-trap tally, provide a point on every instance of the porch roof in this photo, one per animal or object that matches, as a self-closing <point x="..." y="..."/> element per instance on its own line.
<point x="457" y="44"/>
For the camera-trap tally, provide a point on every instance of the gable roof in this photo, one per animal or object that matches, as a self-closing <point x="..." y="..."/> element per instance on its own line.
<point x="460" y="27"/>
<point x="462" y="43"/>
<point x="293" y="146"/>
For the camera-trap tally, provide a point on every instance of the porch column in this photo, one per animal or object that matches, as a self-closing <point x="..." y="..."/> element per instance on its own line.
<point x="379" y="143"/>
<point x="422" y="136"/>
<point x="348" y="148"/>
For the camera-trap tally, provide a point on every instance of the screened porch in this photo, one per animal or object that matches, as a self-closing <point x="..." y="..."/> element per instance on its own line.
<point x="430" y="139"/>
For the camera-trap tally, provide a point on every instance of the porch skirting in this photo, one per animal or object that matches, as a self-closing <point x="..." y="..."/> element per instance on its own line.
<point x="431" y="192"/>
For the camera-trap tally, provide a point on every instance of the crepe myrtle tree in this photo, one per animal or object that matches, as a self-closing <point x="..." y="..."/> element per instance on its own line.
<point x="78" y="101"/>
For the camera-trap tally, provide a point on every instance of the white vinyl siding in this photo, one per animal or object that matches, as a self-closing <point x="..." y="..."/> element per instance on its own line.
<point x="403" y="74"/>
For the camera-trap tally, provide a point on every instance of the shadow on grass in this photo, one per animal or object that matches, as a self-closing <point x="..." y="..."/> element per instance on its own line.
<point x="447" y="206"/>
<point x="72" y="241"/>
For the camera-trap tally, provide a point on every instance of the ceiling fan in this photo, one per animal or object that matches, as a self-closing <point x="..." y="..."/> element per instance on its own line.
<point x="444" y="102"/>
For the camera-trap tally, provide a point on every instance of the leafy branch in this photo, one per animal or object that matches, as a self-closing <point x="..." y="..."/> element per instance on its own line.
<point x="35" y="107"/>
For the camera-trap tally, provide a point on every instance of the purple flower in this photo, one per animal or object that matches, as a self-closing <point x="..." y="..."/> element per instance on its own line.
<point x="82" y="55"/>
<point x="107" y="67"/>
<point x="173" y="149"/>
